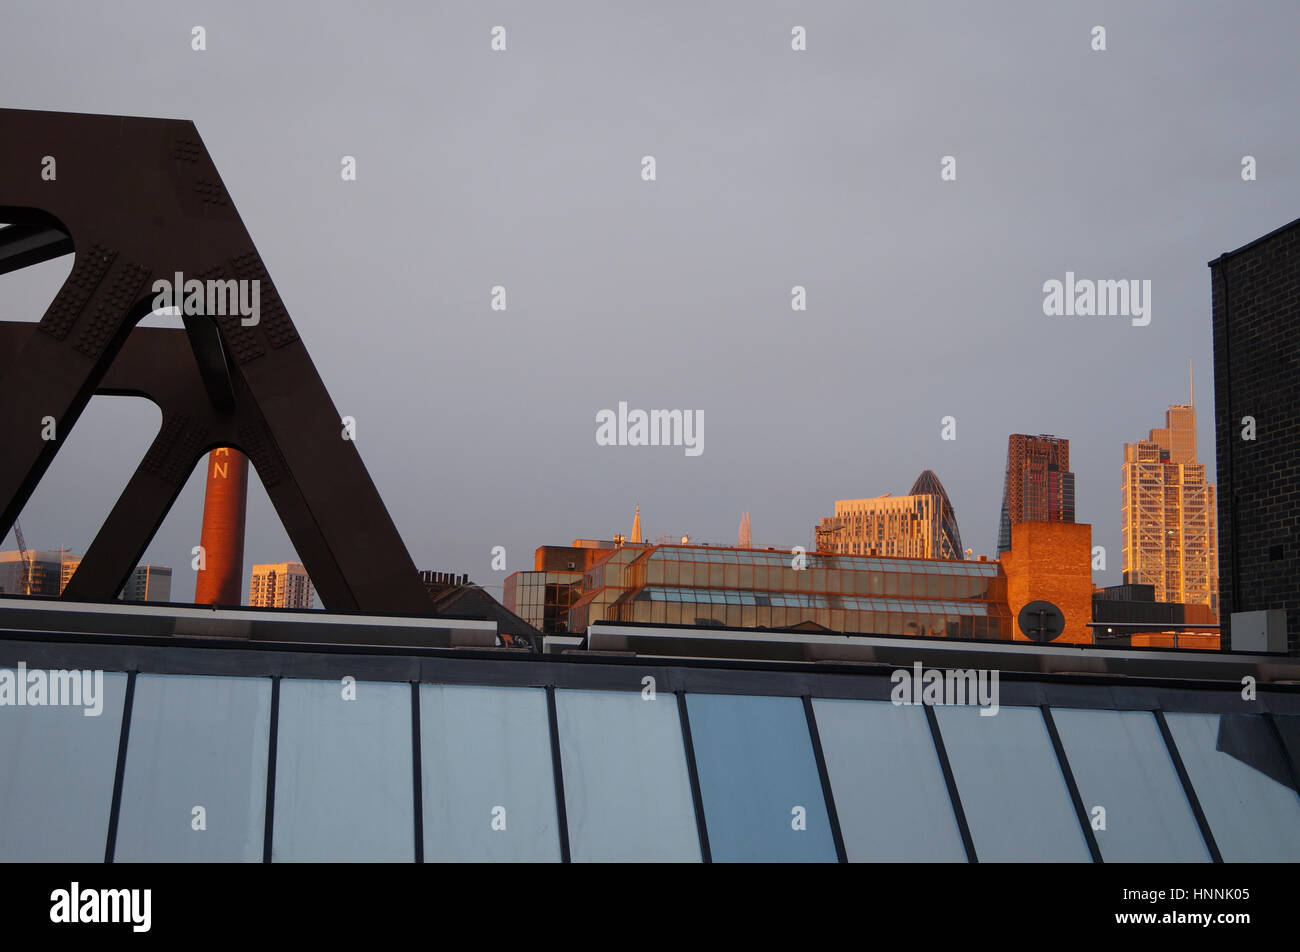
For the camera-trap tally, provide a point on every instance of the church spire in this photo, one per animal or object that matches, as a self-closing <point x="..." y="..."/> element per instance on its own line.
<point x="636" y="526"/>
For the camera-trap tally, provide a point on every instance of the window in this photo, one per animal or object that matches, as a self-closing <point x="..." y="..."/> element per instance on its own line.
<point x="889" y="790"/>
<point x="1243" y="784"/>
<point x="1011" y="786"/>
<point x="1121" y="764"/>
<point x="195" y="782"/>
<point x="343" y="779"/>
<point x="486" y="779"/>
<point x="626" y="787"/>
<point x="758" y="779"/>
<point x="56" y="784"/>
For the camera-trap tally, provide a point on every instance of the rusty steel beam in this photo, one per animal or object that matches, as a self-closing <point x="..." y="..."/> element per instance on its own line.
<point x="140" y="200"/>
<point x="24" y="245"/>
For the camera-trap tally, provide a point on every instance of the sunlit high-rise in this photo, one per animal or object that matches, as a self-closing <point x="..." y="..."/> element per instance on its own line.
<point x="280" y="585"/>
<point x="1039" y="486"/>
<point x="1168" y="513"/>
<point x="920" y="525"/>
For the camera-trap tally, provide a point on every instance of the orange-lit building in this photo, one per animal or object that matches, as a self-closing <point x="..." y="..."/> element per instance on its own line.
<point x="920" y="525"/>
<point x="1038" y="486"/>
<point x="544" y="596"/>
<point x="575" y="586"/>
<point x="1051" y="562"/>
<point x="1169" y="515"/>
<point x="280" y="585"/>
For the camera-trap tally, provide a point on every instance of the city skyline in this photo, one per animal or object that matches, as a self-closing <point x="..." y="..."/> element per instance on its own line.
<point x="943" y="518"/>
<point x="625" y="290"/>
<point x="427" y="306"/>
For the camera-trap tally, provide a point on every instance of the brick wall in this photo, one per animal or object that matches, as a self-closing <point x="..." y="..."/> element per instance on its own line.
<point x="1256" y="326"/>
<point x="1051" y="562"/>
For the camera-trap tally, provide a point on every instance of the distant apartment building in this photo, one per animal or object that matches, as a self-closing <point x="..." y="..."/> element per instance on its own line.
<point x="50" y="571"/>
<point x="1169" y="516"/>
<point x="280" y="585"/>
<point x="1257" y="427"/>
<point x="920" y="525"/>
<point x="148" y="583"/>
<point x="1039" y="486"/>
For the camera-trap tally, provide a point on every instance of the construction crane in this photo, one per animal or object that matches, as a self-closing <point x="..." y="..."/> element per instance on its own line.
<point x="26" y="582"/>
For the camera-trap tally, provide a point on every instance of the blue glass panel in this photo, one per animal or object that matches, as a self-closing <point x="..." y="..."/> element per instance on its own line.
<point x="889" y="789"/>
<point x="56" y="770"/>
<point x="486" y="776"/>
<point x="344" y="786"/>
<point x="1121" y="764"/>
<point x="758" y="779"/>
<point x="1011" y="786"/>
<point x="195" y="782"/>
<point x="626" y="787"/>
<point x="1243" y="783"/>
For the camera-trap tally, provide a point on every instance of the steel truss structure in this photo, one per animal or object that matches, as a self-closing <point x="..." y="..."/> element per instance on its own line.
<point x="138" y="200"/>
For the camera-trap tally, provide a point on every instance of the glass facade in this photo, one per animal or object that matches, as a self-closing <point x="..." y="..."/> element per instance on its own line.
<point x="195" y="782"/>
<point x="758" y="778"/>
<point x="477" y="762"/>
<point x="56" y="785"/>
<point x="486" y="775"/>
<point x="882" y="762"/>
<point x="750" y="588"/>
<point x="1011" y="786"/>
<point x="1244" y="784"/>
<point x="626" y="786"/>
<point x="343" y="772"/>
<point x="543" y="599"/>
<point x="1124" y="770"/>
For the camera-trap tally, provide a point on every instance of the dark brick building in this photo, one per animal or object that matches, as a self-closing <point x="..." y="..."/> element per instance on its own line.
<point x="1257" y="374"/>
<point x="1039" y="486"/>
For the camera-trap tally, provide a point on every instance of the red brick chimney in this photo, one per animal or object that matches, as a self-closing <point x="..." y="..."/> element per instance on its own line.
<point x="225" y="505"/>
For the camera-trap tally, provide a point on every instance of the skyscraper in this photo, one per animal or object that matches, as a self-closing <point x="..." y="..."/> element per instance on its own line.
<point x="1039" y="486"/>
<point x="1169" y="517"/>
<point x="927" y="484"/>
<point x="920" y="525"/>
<point x="280" y="585"/>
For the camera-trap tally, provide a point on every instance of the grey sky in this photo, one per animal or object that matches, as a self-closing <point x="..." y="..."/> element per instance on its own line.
<point x="775" y="168"/>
